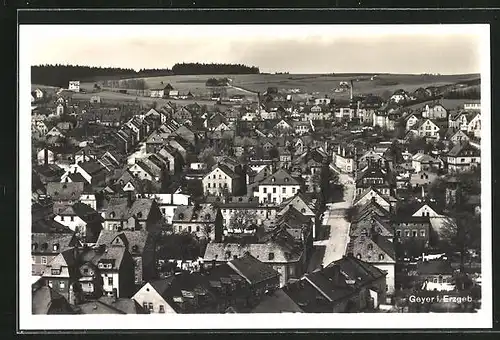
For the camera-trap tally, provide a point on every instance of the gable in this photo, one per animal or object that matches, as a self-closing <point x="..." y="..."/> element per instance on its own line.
<point x="372" y="194"/>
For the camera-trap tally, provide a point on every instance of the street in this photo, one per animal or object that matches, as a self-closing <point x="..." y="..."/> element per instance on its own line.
<point x="335" y="245"/>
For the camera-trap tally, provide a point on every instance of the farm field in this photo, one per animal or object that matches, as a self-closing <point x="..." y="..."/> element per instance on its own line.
<point x="320" y="85"/>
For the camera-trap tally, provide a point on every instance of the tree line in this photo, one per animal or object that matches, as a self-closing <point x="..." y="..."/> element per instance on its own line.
<point x="59" y="75"/>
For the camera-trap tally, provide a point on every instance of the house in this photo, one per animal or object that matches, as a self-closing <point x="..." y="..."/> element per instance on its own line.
<point x="434" y="111"/>
<point x="55" y="132"/>
<point x="284" y="255"/>
<point x="74" y="85"/>
<point x="436" y="275"/>
<point x="95" y="100"/>
<point x="143" y="171"/>
<point x="153" y="298"/>
<point x="423" y="162"/>
<point x="47" y="301"/>
<point x="472" y="106"/>
<point x="93" y="172"/>
<point x="201" y="220"/>
<point x="454" y="136"/>
<point x="345" y="286"/>
<point x="39" y="94"/>
<point x="116" y="267"/>
<point x="410" y="121"/>
<point x="221" y="181"/>
<point x="59" y="274"/>
<point x="415" y="229"/>
<point x="157" y="93"/>
<point x="374" y="175"/>
<point x="46" y="246"/>
<point x="64" y="194"/>
<point x="41" y="127"/>
<point x="344" y="158"/>
<point x="46" y="156"/>
<point x="463" y="157"/>
<point x="277" y="187"/>
<point x="302" y="204"/>
<point x="282" y="125"/>
<point x="83" y="220"/>
<point x="173" y="93"/>
<point x="426" y="128"/>
<point x="301" y="128"/>
<point x="277" y="302"/>
<point x="378" y="251"/>
<point x="372" y="194"/>
<point x="130" y="213"/>
<point x="474" y="126"/>
<point x="111" y="305"/>
<point x="254" y="212"/>
<point x="140" y="245"/>
<point x="399" y="96"/>
<point x="237" y="98"/>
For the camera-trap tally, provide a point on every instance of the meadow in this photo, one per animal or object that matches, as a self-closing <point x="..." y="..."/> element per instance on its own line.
<point x="319" y="85"/>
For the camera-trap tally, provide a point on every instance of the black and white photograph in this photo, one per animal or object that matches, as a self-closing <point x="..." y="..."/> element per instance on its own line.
<point x="305" y="176"/>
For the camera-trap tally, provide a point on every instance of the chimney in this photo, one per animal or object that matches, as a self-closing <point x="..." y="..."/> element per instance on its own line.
<point x="45" y="156"/>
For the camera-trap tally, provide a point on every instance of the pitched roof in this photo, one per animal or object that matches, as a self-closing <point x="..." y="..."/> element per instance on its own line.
<point x="44" y="298"/>
<point x="204" y="213"/>
<point x="280" y="177"/>
<point x="463" y="149"/>
<point x="253" y="270"/>
<point x="379" y="246"/>
<point x="135" y="241"/>
<point x="277" y="302"/>
<point x="45" y="242"/>
<point x="65" y="191"/>
<point x="140" y="208"/>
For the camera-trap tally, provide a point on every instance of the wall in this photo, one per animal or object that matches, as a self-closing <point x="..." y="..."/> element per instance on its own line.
<point x="77" y="223"/>
<point x="279" y="196"/>
<point x="147" y="294"/>
<point x="390" y="278"/>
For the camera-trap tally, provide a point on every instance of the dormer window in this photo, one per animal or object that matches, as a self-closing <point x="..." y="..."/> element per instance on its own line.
<point x="358" y="256"/>
<point x="273" y="179"/>
<point x="139" y="214"/>
<point x="381" y="256"/>
<point x="34" y="246"/>
<point x="135" y="248"/>
<point x="181" y="216"/>
<point x="112" y="214"/>
<point x="286" y="179"/>
<point x="370" y="246"/>
<point x="56" y="247"/>
<point x="207" y="216"/>
<point x="45" y="246"/>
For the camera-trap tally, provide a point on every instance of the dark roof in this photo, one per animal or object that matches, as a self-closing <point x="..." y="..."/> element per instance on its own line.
<point x="464" y="149"/>
<point x="92" y="167"/>
<point x="253" y="270"/>
<point x="135" y="241"/>
<point x="45" y="298"/>
<point x="280" y="177"/>
<point x="119" y="207"/>
<point x="44" y="242"/>
<point x="84" y="211"/>
<point x="65" y="191"/>
<point x="277" y="302"/>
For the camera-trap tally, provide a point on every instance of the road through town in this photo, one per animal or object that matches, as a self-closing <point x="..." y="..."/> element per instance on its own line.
<point x="335" y="217"/>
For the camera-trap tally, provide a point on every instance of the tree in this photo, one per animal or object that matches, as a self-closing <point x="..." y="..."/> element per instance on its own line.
<point x="242" y="219"/>
<point x="274" y="153"/>
<point x="207" y="156"/>
<point x="327" y="178"/>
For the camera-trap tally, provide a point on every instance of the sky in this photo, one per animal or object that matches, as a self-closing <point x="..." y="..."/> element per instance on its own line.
<point x="444" y="49"/>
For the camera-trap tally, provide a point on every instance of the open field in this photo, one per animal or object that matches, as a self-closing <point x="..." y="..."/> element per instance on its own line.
<point x="318" y="84"/>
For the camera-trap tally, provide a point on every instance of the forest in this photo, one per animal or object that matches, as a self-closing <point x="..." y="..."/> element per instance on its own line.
<point x="59" y="75"/>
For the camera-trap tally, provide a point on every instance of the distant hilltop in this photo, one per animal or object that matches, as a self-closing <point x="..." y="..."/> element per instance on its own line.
<point x="59" y="75"/>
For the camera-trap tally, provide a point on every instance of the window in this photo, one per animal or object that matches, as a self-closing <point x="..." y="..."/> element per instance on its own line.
<point x="293" y="190"/>
<point x="145" y="305"/>
<point x="274" y="190"/>
<point x="407" y="233"/>
<point x="398" y="233"/>
<point x="44" y="260"/>
<point x="423" y="213"/>
<point x="110" y="281"/>
<point x="189" y="229"/>
<point x="462" y="160"/>
<point x="370" y="246"/>
<point x="61" y="285"/>
<point x="265" y="190"/>
<point x="303" y="210"/>
<point x="414" y="233"/>
<point x="33" y="260"/>
<point x="50" y="283"/>
<point x="381" y="256"/>
<point x="162" y="309"/>
<point x="271" y="256"/>
<point x="55" y="271"/>
<point x="62" y="218"/>
<point x="150" y="305"/>
<point x="422" y="233"/>
<point x="72" y="218"/>
<point x="208" y="185"/>
<point x="85" y="270"/>
<point x="197" y="228"/>
<point x="358" y="256"/>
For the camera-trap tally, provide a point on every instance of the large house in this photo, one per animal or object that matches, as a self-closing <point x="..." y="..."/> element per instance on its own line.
<point x="46" y="246"/>
<point x="130" y="213"/>
<point x="374" y="175"/>
<point x="200" y="220"/>
<point x="463" y="157"/>
<point x="434" y="111"/>
<point x="277" y="187"/>
<point x="221" y="181"/>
